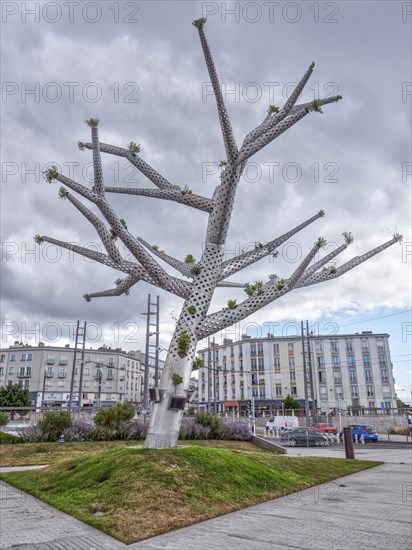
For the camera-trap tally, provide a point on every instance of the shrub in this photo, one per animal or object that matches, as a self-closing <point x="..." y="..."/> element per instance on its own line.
<point x="134" y="430"/>
<point x="397" y="430"/>
<point x="190" y="429"/>
<point x="115" y="417"/>
<point x="235" y="430"/>
<point x="4" y="419"/>
<point x="81" y="430"/>
<point x="32" y="434"/>
<point x="210" y="421"/>
<point x="8" y="439"/>
<point x="54" y="423"/>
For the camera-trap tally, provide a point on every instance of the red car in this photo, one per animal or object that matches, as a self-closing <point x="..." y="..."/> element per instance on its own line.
<point x="327" y="428"/>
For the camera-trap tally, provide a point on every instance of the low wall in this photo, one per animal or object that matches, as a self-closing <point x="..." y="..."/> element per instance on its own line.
<point x="268" y="445"/>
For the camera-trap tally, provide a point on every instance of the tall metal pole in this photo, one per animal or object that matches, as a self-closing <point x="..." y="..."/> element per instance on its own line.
<point x="146" y="369"/>
<point x="44" y="389"/>
<point x="214" y="377"/>
<point x="305" y="386"/>
<point x="311" y="377"/>
<point x="157" y="343"/>
<point x="209" y="366"/>
<point x="74" y="367"/>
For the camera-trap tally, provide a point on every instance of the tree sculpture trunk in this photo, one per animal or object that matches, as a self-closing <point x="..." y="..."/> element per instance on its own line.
<point x="203" y="277"/>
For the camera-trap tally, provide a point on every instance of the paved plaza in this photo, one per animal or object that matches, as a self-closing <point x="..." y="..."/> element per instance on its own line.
<point x="367" y="510"/>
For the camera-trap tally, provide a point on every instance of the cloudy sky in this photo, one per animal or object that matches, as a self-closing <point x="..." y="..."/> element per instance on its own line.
<point x="139" y="68"/>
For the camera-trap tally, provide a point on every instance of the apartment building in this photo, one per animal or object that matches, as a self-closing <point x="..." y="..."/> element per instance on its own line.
<point x="108" y="376"/>
<point x="349" y="371"/>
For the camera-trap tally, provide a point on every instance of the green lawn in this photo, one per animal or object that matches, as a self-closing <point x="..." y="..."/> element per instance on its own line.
<point x="145" y="492"/>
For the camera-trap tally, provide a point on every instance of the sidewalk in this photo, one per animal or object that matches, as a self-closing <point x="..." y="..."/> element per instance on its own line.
<point x="364" y="511"/>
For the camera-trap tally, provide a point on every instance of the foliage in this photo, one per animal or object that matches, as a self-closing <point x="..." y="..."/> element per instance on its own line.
<point x="177" y="379"/>
<point x="38" y="238"/>
<point x="92" y="122"/>
<point x="258" y="245"/>
<point x="333" y="270"/>
<point x="114" y="418"/>
<point x="186" y="190"/>
<point x="321" y="213"/>
<point x="316" y="106"/>
<point x="222" y="163"/>
<point x="112" y="232"/>
<point x="134" y="148"/>
<point x="234" y="430"/>
<point x="50" y="174"/>
<point x="81" y="145"/>
<point x="251" y="290"/>
<point x="231" y="304"/>
<point x="54" y="423"/>
<point x="8" y="439"/>
<point x="136" y="429"/>
<point x="4" y="419"/>
<point x="192" y="310"/>
<point x="87" y="297"/>
<point x="320" y="243"/>
<point x="211" y="421"/>
<point x="80" y="430"/>
<point x="63" y="193"/>
<point x="155" y="247"/>
<point x="183" y="344"/>
<point x="280" y="283"/>
<point x="348" y="237"/>
<point x="273" y="276"/>
<point x="275" y="254"/>
<point x="196" y="269"/>
<point x="190" y="429"/>
<point x="14" y="395"/>
<point x="199" y="23"/>
<point x="272" y="109"/>
<point x="189" y="259"/>
<point x="118" y="281"/>
<point x="291" y="403"/>
<point x="32" y="434"/>
<point x="197" y="364"/>
<point x="400" y="404"/>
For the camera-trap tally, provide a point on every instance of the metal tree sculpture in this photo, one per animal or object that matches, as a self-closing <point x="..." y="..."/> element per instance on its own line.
<point x="211" y="271"/>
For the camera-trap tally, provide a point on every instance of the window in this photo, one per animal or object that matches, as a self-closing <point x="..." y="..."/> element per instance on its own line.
<point x="261" y="363"/>
<point x="49" y="383"/>
<point x="260" y="349"/>
<point x="2" y="358"/>
<point x="352" y="376"/>
<point x="109" y="384"/>
<point x="278" y="391"/>
<point x="62" y="372"/>
<point x="86" y="384"/>
<point x="50" y="359"/>
<point x="254" y="379"/>
<point x="96" y="383"/>
<point x="275" y="349"/>
<point x="349" y="346"/>
<point x="366" y="360"/>
<point x="292" y="376"/>
<point x="86" y="371"/>
<point x="382" y="359"/>
<point x="253" y="364"/>
<point x="291" y="362"/>
<point x="384" y="375"/>
<point x="321" y="362"/>
<point x="23" y="357"/>
<point x="99" y="360"/>
<point x="63" y="359"/>
<point x="49" y="371"/>
<point x="255" y="392"/>
<point x="22" y="371"/>
<point x="368" y="375"/>
<point x="369" y="391"/>
<point x="110" y="374"/>
<point x="252" y="349"/>
<point x="60" y="383"/>
<point x="323" y="391"/>
<point x="322" y="377"/>
<point x="319" y="347"/>
<point x="379" y="344"/>
<point x="87" y="358"/>
<point x="351" y="361"/>
<point x="11" y="370"/>
<point x="291" y="350"/>
<point x="338" y="392"/>
<point x="276" y="362"/>
<point x="1" y="371"/>
<point x="262" y="393"/>
<point x="26" y="384"/>
<point x="110" y="361"/>
<point x="337" y="377"/>
<point x="334" y="346"/>
<point x="364" y="344"/>
<point x="354" y="391"/>
<point x="12" y="357"/>
<point x="335" y="361"/>
<point x="371" y="404"/>
<point x="293" y="391"/>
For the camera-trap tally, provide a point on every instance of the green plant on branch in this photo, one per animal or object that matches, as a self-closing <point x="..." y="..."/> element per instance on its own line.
<point x="183" y="344"/>
<point x="333" y="270"/>
<point x="321" y="213"/>
<point x="192" y="310"/>
<point x="63" y="193"/>
<point x="118" y="281"/>
<point x="258" y="245"/>
<point x="321" y="242"/>
<point x="231" y="304"/>
<point x="38" y="238"/>
<point x="280" y="284"/>
<point x="81" y="145"/>
<point x="275" y="254"/>
<point x="196" y="269"/>
<point x="112" y="232"/>
<point x="197" y="364"/>
<point x="186" y="190"/>
<point x="189" y="259"/>
<point x="87" y="297"/>
<point x="92" y="122"/>
<point x="155" y="247"/>
<point x="316" y="106"/>
<point x="177" y="379"/>
<point x="199" y="23"/>
<point x="251" y="290"/>
<point x="133" y="147"/>
<point x="272" y="276"/>
<point x="50" y="174"/>
<point x="273" y="109"/>
<point x="222" y="163"/>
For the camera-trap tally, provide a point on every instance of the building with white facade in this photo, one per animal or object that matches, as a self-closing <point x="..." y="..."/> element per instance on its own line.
<point x="108" y="376"/>
<point x="350" y="372"/>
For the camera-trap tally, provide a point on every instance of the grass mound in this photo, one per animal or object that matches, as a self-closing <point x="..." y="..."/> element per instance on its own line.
<point x="145" y="492"/>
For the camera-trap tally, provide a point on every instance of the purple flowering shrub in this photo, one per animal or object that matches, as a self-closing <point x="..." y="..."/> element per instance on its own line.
<point x="234" y="430"/>
<point x="80" y="430"/>
<point x="135" y="429"/>
<point x="192" y="430"/>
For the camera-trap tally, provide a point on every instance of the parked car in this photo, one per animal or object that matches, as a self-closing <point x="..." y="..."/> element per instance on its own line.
<point x="330" y="436"/>
<point x="303" y="436"/>
<point x="327" y="428"/>
<point x="369" y="433"/>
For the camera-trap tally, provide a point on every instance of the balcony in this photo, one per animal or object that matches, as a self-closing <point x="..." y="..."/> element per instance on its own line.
<point x="25" y="375"/>
<point x="110" y="377"/>
<point x="63" y="362"/>
<point x="50" y="362"/>
<point x="48" y="374"/>
<point x="62" y="375"/>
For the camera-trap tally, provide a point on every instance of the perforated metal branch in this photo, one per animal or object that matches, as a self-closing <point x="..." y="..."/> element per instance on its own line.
<point x="184" y="268"/>
<point x="319" y="264"/>
<point x="122" y="288"/>
<point x="175" y="194"/>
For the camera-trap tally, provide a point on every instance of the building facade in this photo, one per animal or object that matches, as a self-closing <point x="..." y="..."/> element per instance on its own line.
<point x="108" y="376"/>
<point x="349" y="372"/>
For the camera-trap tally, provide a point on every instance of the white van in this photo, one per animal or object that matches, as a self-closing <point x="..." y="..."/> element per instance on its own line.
<point x="282" y="423"/>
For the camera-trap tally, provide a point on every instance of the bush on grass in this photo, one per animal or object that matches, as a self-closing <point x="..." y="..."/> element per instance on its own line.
<point x="4" y="419"/>
<point x="115" y="418"/>
<point x="54" y="423"/>
<point x="8" y="439"/>
<point x="32" y="434"/>
<point x="80" y="430"/>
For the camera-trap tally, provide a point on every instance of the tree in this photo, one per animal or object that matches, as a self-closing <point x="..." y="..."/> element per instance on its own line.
<point x="290" y="403"/>
<point x="211" y="271"/>
<point x="15" y="396"/>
